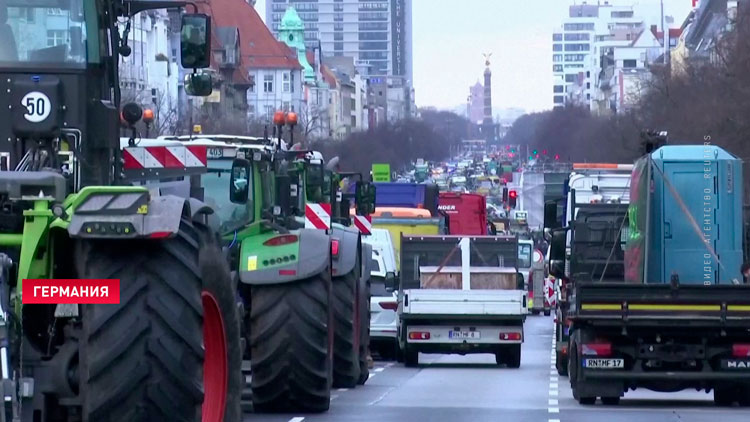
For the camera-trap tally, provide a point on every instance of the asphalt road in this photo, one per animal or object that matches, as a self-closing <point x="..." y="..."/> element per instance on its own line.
<point x="453" y="388"/>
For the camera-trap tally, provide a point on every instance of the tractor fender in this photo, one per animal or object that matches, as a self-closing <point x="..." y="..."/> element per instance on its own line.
<point x="202" y="212"/>
<point x="314" y="258"/>
<point x="349" y="240"/>
<point x="158" y="216"/>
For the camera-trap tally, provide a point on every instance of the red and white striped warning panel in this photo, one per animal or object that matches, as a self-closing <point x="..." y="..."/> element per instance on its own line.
<point x="363" y="223"/>
<point x="318" y="216"/>
<point x="167" y="157"/>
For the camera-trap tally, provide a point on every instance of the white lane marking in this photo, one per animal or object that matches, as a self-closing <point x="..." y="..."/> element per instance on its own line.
<point x="552" y="402"/>
<point x="553" y="385"/>
<point x="553" y="392"/>
<point x="554" y="420"/>
<point x="554" y="410"/>
<point x="297" y="419"/>
<point x="553" y="380"/>
<point x="334" y="396"/>
<point x="379" y="369"/>
<point x="342" y="389"/>
<point x="370" y="376"/>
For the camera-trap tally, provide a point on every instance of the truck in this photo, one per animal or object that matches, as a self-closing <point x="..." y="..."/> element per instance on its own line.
<point x="589" y="185"/>
<point x="466" y="213"/>
<point x="461" y="294"/>
<point x="654" y="294"/>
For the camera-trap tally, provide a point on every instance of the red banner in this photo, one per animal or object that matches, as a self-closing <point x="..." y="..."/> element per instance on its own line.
<point x="70" y="291"/>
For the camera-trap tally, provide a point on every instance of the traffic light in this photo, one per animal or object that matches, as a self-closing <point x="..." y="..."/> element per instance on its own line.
<point x="533" y="152"/>
<point x="505" y="194"/>
<point x="557" y="157"/>
<point x="512" y="197"/>
<point x="544" y="152"/>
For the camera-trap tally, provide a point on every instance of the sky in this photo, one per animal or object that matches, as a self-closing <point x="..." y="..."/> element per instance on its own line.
<point x="450" y="37"/>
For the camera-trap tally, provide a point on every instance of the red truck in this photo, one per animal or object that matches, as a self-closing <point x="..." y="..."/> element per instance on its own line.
<point x="466" y="213"/>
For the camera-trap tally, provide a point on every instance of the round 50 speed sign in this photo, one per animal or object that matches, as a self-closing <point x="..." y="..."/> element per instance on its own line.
<point x="38" y="106"/>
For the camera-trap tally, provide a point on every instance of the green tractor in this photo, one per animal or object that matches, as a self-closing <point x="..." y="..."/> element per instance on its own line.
<point x="319" y="184"/>
<point x="283" y="274"/>
<point x="74" y="204"/>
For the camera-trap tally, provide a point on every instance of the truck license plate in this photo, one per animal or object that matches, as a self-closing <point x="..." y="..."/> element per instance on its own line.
<point x="604" y="363"/>
<point x="464" y="334"/>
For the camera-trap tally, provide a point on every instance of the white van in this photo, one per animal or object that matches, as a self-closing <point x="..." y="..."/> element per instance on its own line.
<point x="383" y="301"/>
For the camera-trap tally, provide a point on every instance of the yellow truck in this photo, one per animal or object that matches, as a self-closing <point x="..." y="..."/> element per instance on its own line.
<point x="406" y="221"/>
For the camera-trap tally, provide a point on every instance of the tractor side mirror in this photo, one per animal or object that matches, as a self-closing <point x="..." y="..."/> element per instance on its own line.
<point x="550" y="215"/>
<point x="364" y="198"/>
<point x="557" y="253"/>
<point x="390" y="281"/>
<point x="198" y="84"/>
<point x="195" y="41"/>
<point x="239" y="182"/>
<point x="284" y="193"/>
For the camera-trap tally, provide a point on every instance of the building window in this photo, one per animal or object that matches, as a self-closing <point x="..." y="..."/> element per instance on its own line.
<point x="558" y="99"/>
<point x="268" y="83"/>
<point x="627" y="14"/>
<point x="629" y="64"/>
<point x="286" y="85"/>
<point x="577" y="37"/>
<point x="338" y="36"/>
<point x="673" y="42"/>
<point x="285" y="106"/>
<point x="291" y="79"/>
<point x="570" y="78"/>
<point x="588" y="85"/>
<point x="251" y="111"/>
<point x="577" y="47"/>
<point x="556" y="58"/>
<point x="269" y="111"/>
<point x="557" y="47"/>
<point x="558" y="89"/>
<point x="579" y="26"/>
<point x="338" y="46"/>
<point x="557" y="37"/>
<point x="55" y="37"/>
<point x="557" y="68"/>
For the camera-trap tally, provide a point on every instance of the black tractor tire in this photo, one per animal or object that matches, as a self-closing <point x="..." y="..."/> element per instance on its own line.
<point x="142" y="359"/>
<point x="364" y="329"/>
<point x="547" y="312"/>
<point x="535" y="312"/>
<point x="346" y="335"/>
<point x="291" y="346"/>
<point x="219" y="283"/>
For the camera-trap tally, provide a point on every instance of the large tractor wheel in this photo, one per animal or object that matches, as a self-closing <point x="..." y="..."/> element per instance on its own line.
<point x="346" y="337"/>
<point x="290" y="346"/>
<point x="143" y="359"/>
<point x="364" y="327"/>
<point x="221" y="332"/>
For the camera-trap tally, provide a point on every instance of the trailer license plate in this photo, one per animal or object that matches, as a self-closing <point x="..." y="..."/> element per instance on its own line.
<point x="604" y="363"/>
<point x="464" y="334"/>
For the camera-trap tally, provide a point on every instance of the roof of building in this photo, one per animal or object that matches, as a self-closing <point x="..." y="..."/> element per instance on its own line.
<point x="258" y="47"/>
<point x="291" y="20"/>
<point x="673" y="33"/>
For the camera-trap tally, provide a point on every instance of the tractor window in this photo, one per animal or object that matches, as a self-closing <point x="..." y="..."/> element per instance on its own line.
<point x="216" y="195"/>
<point x="45" y="33"/>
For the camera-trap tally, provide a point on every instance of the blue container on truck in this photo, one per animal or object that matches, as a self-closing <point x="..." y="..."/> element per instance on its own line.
<point x="699" y="181"/>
